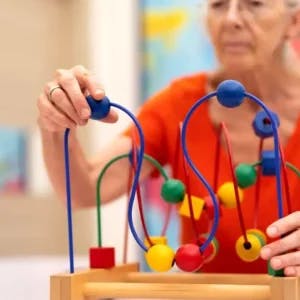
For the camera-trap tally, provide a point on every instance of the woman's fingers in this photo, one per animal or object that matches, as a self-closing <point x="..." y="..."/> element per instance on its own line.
<point x="64" y="99"/>
<point x="284" y="225"/>
<point x="60" y="100"/>
<point x="89" y="82"/>
<point x="112" y="117"/>
<point x="67" y="80"/>
<point x="286" y="260"/>
<point x="292" y="271"/>
<point x="282" y="245"/>
<point x="51" y="117"/>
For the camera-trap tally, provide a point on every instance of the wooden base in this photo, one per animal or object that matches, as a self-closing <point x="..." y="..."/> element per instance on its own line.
<point x="126" y="282"/>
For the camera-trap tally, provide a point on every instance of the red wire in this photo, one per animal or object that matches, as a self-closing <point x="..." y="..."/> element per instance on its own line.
<point x="177" y="152"/>
<point x="167" y="220"/>
<point x="175" y="175"/>
<point x="188" y="189"/>
<point x="139" y="198"/>
<point x="229" y="150"/>
<point x="217" y="160"/>
<point x="126" y="231"/>
<point x="286" y="182"/>
<point x="258" y="185"/>
<point x="187" y="181"/>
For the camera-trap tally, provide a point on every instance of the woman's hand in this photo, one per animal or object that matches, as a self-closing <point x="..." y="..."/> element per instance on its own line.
<point x="285" y="252"/>
<point x="63" y="104"/>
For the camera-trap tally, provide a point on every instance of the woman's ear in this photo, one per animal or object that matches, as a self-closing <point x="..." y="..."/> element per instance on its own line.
<point x="294" y="28"/>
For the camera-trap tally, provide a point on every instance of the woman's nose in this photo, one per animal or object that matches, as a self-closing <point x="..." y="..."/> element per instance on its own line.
<point x="233" y="15"/>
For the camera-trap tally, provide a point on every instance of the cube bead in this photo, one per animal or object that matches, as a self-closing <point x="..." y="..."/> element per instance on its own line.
<point x="102" y="257"/>
<point x="197" y="207"/>
<point x="268" y="163"/>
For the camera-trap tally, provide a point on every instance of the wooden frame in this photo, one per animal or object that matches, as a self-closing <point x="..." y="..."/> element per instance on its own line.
<point x="126" y="281"/>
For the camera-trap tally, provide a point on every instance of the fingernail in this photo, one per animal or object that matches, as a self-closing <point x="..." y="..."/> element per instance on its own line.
<point x="272" y="231"/>
<point x="85" y="113"/>
<point x="99" y="93"/>
<point x="290" y="271"/>
<point x="83" y="122"/>
<point x="265" y="253"/>
<point x="276" y="263"/>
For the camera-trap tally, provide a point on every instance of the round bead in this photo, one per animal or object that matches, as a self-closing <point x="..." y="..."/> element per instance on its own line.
<point x="211" y="251"/>
<point x="226" y="195"/>
<point x="99" y="108"/>
<point x="262" y="124"/>
<point x="162" y="240"/>
<point x="173" y="191"/>
<point x="248" y="251"/>
<point x="189" y="258"/>
<point x="160" y="258"/>
<point x="259" y="234"/>
<point x="245" y="175"/>
<point x="230" y="93"/>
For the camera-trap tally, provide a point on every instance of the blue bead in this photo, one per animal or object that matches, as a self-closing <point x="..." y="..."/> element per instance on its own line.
<point x="99" y="108"/>
<point x="262" y="124"/>
<point x="268" y="163"/>
<point x="230" y="93"/>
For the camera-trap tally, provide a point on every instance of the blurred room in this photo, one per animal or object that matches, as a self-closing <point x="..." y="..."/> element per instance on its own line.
<point x="38" y="37"/>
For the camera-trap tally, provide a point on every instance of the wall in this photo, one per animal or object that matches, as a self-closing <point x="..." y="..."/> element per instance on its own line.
<point x="36" y="38"/>
<point x="114" y="34"/>
<point x="40" y="36"/>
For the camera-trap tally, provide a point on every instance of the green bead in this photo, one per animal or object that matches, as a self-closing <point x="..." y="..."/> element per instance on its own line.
<point x="275" y="273"/>
<point x="246" y="175"/>
<point x="173" y="191"/>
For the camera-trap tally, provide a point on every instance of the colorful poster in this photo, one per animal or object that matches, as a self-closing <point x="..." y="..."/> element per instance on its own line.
<point x="12" y="160"/>
<point x="175" y="43"/>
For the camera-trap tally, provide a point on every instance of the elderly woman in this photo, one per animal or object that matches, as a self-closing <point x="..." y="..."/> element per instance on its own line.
<point x="251" y="40"/>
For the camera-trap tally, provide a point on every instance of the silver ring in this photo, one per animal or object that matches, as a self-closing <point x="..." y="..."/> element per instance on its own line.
<point x="52" y="90"/>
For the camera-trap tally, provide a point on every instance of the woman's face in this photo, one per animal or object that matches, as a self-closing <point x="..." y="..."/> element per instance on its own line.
<point x="248" y="33"/>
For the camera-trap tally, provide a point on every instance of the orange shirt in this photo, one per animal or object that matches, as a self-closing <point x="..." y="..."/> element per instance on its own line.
<point x="160" y="118"/>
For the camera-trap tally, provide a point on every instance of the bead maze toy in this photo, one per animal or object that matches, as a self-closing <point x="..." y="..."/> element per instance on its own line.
<point x="105" y="279"/>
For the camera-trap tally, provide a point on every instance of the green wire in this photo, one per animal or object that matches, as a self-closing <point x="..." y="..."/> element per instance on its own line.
<point x="293" y="168"/>
<point x="256" y="164"/>
<point x="288" y="164"/>
<point x="100" y="177"/>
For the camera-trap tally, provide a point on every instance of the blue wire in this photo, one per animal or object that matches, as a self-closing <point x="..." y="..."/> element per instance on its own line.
<point x="196" y="171"/>
<point x="132" y="195"/>
<point x="69" y="203"/>
<point x="137" y="174"/>
<point x="187" y="156"/>
<point x="277" y="152"/>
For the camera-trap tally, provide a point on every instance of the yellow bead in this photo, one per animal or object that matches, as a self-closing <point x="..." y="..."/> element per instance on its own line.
<point x="156" y="240"/>
<point x="260" y="234"/>
<point x="226" y="194"/>
<point x="160" y="258"/>
<point x="197" y="206"/>
<point x="250" y="253"/>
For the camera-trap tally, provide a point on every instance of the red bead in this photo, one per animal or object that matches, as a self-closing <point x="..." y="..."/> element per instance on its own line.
<point x="102" y="258"/>
<point x="188" y="258"/>
<point x="209" y="207"/>
<point x="210" y="251"/>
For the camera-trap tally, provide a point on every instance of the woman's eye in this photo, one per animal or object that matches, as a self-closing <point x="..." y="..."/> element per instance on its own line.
<point x="217" y="4"/>
<point x="256" y="3"/>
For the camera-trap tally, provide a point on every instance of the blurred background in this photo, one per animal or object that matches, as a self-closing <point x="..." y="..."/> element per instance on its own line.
<point x="135" y="48"/>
